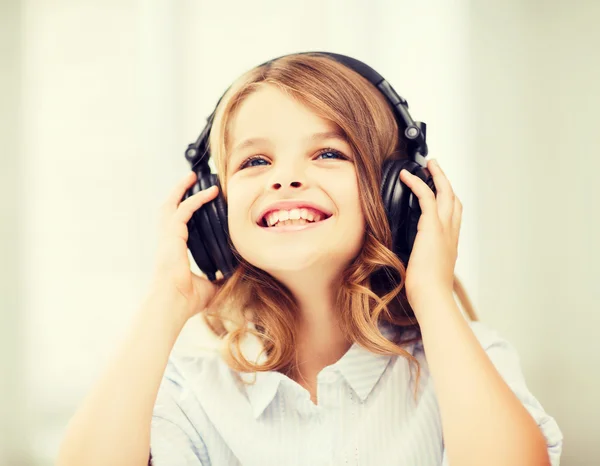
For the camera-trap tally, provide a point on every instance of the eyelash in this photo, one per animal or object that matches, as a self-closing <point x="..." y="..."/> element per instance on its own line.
<point x="321" y="152"/>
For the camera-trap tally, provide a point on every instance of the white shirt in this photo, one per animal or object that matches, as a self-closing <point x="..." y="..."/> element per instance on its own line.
<point x="366" y="412"/>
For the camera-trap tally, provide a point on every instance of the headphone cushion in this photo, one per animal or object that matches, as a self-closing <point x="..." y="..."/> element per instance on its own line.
<point x="221" y="227"/>
<point x="211" y="226"/>
<point x="198" y="247"/>
<point x="220" y="206"/>
<point x="397" y="197"/>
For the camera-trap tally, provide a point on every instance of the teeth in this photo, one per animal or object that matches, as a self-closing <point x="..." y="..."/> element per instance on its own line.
<point x="292" y="222"/>
<point x="294" y="214"/>
<point x="271" y="219"/>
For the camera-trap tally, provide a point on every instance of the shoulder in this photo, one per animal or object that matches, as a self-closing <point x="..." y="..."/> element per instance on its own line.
<point x="487" y="336"/>
<point x="194" y="381"/>
<point x="179" y="404"/>
<point x="179" y="422"/>
<point x="186" y="370"/>
<point x="502" y="353"/>
<point x="489" y="339"/>
<point x="183" y="375"/>
<point x="506" y="359"/>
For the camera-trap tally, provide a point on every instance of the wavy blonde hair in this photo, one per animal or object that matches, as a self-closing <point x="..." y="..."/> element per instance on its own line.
<point x="253" y="302"/>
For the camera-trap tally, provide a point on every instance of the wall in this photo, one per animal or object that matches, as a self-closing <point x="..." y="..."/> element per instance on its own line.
<point x="535" y="97"/>
<point x="13" y="416"/>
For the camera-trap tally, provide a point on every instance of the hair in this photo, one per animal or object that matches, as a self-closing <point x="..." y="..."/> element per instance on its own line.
<point x="371" y="290"/>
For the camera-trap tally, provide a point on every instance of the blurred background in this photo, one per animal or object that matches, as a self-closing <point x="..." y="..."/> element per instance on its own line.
<point x="100" y="99"/>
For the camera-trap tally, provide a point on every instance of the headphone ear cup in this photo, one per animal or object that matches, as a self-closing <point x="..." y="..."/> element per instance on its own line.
<point x="222" y="231"/>
<point x="387" y="166"/>
<point x="414" y="208"/>
<point x="195" y="242"/>
<point x="395" y="198"/>
<point x="211" y="228"/>
<point x="401" y="205"/>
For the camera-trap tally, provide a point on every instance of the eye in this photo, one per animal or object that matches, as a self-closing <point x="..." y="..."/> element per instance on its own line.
<point x="249" y="161"/>
<point x="329" y="150"/>
<point x="336" y="153"/>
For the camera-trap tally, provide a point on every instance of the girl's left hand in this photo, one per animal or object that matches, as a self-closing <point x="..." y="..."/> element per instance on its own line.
<point x="430" y="271"/>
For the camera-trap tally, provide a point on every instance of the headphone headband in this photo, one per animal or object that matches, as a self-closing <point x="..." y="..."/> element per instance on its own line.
<point x="197" y="153"/>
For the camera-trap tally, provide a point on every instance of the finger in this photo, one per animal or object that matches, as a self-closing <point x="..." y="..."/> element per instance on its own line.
<point x="179" y="190"/>
<point x="457" y="220"/>
<point x="445" y="193"/>
<point x="422" y="191"/>
<point x="187" y="208"/>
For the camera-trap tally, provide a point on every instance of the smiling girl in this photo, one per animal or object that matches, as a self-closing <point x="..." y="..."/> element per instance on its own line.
<point x="361" y="358"/>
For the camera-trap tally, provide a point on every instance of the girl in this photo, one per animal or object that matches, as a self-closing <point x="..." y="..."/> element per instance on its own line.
<point x="346" y="369"/>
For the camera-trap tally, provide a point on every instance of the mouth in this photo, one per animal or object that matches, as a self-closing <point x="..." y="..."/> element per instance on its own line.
<point x="290" y="228"/>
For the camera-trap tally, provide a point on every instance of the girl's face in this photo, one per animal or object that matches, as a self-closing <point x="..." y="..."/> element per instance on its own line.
<point x="289" y="164"/>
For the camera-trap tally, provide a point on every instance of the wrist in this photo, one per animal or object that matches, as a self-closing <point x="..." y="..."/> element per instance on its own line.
<point x="433" y="302"/>
<point x="167" y="305"/>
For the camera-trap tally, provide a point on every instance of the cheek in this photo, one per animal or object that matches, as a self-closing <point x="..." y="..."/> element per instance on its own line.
<point x="237" y="206"/>
<point x="240" y="199"/>
<point x="346" y="196"/>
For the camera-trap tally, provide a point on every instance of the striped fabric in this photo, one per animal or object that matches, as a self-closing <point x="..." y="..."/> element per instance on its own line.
<point x="366" y="413"/>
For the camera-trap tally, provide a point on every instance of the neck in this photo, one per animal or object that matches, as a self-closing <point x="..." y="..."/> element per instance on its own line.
<point x="320" y="341"/>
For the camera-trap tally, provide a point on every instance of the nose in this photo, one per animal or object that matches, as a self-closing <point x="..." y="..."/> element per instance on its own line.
<point x="294" y="184"/>
<point x="287" y="178"/>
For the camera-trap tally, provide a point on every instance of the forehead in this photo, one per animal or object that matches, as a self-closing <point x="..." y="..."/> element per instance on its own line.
<point x="271" y="114"/>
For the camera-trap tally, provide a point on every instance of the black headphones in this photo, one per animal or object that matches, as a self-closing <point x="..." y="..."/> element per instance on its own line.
<point x="209" y="240"/>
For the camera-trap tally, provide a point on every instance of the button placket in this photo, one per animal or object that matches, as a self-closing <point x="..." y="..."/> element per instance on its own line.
<point x="321" y="436"/>
<point x="324" y="411"/>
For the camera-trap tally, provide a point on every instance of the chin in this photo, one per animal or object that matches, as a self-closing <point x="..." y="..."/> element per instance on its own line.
<point x="317" y="263"/>
<point x="282" y="253"/>
<point x="278" y="261"/>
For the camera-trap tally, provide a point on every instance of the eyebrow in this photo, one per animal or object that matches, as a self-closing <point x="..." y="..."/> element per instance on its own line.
<point x="335" y="134"/>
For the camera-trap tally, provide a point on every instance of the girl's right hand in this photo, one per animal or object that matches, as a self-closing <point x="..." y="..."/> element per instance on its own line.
<point x="173" y="274"/>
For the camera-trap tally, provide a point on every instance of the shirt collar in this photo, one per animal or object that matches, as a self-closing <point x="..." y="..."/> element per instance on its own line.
<point x="361" y="369"/>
